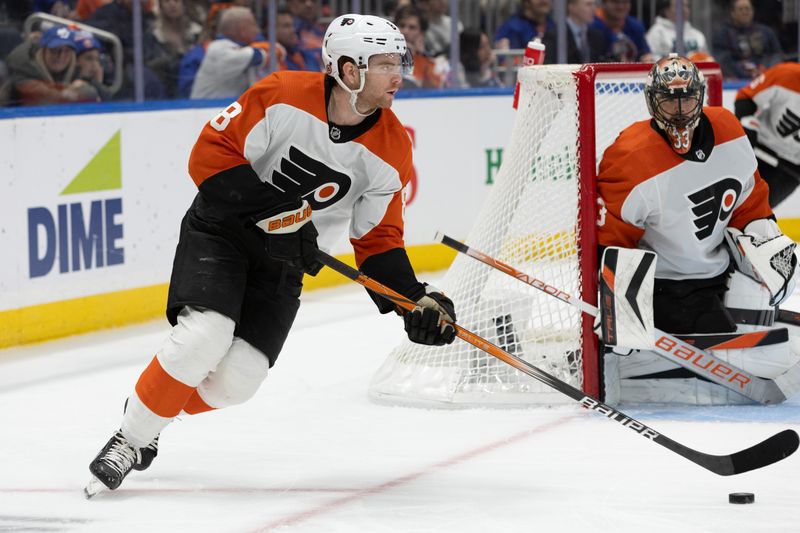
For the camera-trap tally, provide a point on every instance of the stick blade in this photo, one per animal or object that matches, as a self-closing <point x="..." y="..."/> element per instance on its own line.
<point x="774" y="449"/>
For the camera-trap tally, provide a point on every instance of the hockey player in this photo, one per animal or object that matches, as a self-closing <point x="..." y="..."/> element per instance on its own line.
<point x="769" y="109"/>
<point x="297" y="160"/>
<point x="680" y="185"/>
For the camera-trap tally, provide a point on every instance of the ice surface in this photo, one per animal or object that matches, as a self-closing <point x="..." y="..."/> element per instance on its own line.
<point x="310" y="453"/>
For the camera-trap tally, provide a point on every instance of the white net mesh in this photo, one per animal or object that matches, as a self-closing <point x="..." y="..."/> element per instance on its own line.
<point x="531" y="221"/>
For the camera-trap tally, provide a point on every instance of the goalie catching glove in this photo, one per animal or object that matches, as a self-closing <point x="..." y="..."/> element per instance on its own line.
<point x="763" y="253"/>
<point x="291" y="236"/>
<point x="431" y="321"/>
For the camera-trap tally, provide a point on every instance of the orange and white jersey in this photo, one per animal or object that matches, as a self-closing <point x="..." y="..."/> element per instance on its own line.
<point x="776" y="94"/>
<point x="353" y="176"/>
<point x="677" y="206"/>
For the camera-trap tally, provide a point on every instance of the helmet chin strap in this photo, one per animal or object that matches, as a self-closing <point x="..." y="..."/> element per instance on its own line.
<point x="354" y="93"/>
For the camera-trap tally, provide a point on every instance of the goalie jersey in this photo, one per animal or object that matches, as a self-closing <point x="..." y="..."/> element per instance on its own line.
<point x="352" y="176"/>
<point x="679" y="206"/>
<point x="774" y="98"/>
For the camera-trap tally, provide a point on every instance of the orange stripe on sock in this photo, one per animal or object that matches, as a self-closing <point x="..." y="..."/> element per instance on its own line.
<point x="160" y="392"/>
<point x="196" y="405"/>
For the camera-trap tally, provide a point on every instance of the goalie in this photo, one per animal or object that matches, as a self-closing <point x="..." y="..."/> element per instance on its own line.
<point x="685" y="185"/>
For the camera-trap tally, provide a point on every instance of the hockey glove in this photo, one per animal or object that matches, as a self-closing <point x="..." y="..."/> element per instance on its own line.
<point x="431" y="321"/>
<point x="763" y="253"/>
<point x="291" y="236"/>
<point x="752" y="127"/>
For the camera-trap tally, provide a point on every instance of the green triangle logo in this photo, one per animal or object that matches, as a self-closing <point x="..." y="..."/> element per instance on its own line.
<point x="102" y="173"/>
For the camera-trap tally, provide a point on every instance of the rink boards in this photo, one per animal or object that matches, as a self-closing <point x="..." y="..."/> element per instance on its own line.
<point x="92" y="201"/>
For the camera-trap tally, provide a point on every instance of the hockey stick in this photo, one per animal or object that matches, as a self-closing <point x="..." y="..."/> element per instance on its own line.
<point x="726" y="341"/>
<point x="762" y="390"/>
<point x="788" y="317"/>
<point x="775" y="448"/>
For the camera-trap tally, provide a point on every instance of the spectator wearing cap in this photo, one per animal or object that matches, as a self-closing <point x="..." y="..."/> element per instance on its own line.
<point x="88" y="54"/>
<point x="624" y="33"/>
<point x="42" y="73"/>
<point x="745" y="48"/>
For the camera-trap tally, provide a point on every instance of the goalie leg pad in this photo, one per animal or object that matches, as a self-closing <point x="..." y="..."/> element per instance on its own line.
<point x="641" y="377"/>
<point x="626" y="298"/>
<point x="636" y="379"/>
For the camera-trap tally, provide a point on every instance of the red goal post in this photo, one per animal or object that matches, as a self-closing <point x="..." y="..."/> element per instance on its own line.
<point x="540" y="217"/>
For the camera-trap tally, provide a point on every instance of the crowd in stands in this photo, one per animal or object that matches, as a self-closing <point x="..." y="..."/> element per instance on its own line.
<point x="211" y="49"/>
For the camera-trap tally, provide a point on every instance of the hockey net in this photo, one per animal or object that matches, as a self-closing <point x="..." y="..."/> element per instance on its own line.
<point x="540" y="217"/>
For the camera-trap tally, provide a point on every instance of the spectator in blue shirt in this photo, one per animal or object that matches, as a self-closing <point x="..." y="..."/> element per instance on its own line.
<point x="296" y="58"/>
<point x="624" y="33"/>
<point x="743" y="48"/>
<point x="307" y="25"/>
<point x="531" y="21"/>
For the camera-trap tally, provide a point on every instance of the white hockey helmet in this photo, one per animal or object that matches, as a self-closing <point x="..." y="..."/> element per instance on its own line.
<point x="360" y="37"/>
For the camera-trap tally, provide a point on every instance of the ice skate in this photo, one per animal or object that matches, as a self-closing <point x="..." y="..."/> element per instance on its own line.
<point x="148" y="453"/>
<point x="112" y="464"/>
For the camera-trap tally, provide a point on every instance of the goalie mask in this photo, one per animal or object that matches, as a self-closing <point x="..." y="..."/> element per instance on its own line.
<point x="674" y="93"/>
<point x="356" y="38"/>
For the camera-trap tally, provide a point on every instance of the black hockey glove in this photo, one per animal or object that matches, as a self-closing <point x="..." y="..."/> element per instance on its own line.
<point x="291" y="236"/>
<point x="431" y="321"/>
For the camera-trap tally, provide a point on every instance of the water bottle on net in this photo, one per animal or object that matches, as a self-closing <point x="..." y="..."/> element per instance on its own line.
<point x="534" y="55"/>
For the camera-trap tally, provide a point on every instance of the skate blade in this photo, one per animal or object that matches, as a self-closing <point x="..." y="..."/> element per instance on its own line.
<point x="93" y="488"/>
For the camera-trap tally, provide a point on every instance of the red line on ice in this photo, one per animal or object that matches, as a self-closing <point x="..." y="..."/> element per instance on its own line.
<point x="333" y="505"/>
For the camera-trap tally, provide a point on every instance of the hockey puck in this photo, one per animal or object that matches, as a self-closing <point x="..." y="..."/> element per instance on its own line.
<point x="741" y="497"/>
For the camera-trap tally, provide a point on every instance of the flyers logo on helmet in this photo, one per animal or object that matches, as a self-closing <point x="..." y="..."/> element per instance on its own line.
<point x="301" y="176"/>
<point x="347" y="21"/>
<point x="712" y="204"/>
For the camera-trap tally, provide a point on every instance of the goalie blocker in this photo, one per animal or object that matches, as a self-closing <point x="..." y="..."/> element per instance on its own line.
<point x="633" y="373"/>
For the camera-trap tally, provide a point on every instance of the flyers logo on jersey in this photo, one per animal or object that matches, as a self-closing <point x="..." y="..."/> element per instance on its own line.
<point x="789" y="124"/>
<point x="713" y="204"/>
<point x="303" y="176"/>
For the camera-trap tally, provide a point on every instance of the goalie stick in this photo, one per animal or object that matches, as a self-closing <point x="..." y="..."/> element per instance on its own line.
<point x="775" y="448"/>
<point x="762" y="390"/>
